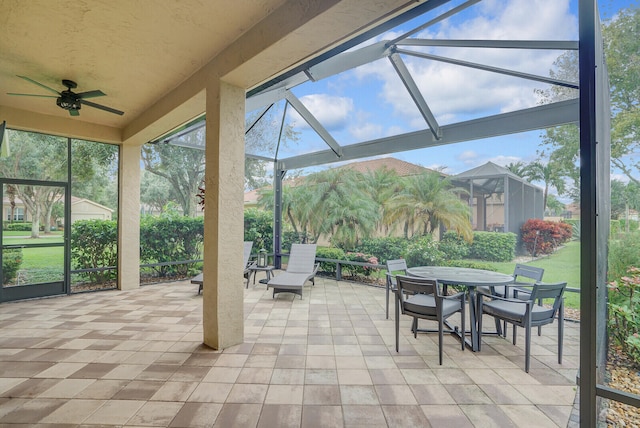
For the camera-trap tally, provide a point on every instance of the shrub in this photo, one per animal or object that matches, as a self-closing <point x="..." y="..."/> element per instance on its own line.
<point x="329" y="253"/>
<point x="575" y="228"/>
<point x="94" y="245"/>
<point x="623" y="252"/>
<point x="258" y="227"/>
<point x="18" y="227"/>
<point x="11" y="261"/>
<point x="360" y="257"/>
<point x="170" y="238"/>
<point x="469" y="264"/>
<point x="423" y="252"/>
<point x="624" y="319"/>
<point x="543" y="237"/>
<point x="453" y="246"/>
<point x="386" y="248"/>
<point x="493" y="246"/>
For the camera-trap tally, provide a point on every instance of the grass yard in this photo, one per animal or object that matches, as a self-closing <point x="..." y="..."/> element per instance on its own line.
<point x="563" y="265"/>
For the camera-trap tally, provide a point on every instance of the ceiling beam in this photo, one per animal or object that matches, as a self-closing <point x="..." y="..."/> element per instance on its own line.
<point x="416" y="95"/>
<point x="490" y="68"/>
<point x="314" y="123"/>
<point x="539" y="117"/>
<point x="563" y="45"/>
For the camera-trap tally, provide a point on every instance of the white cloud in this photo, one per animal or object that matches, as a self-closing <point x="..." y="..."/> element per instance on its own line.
<point x="366" y="131"/>
<point x="456" y="93"/>
<point x="331" y="111"/>
<point x="467" y="155"/>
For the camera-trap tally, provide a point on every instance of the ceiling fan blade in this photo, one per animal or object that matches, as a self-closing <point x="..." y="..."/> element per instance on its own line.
<point x="32" y="95"/>
<point x="101" y="107"/>
<point x="74" y="112"/>
<point x="91" y="94"/>
<point x="39" y="84"/>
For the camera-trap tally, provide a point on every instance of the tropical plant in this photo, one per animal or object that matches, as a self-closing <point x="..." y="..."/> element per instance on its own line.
<point x="428" y="201"/>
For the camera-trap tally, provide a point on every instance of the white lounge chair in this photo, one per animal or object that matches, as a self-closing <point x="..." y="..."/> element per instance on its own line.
<point x="300" y="269"/>
<point x="248" y="245"/>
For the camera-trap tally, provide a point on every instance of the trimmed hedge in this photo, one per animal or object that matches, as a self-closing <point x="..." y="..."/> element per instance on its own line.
<point x="329" y="253"/>
<point x="386" y="248"/>
<point x="423" y="252"/>
<point x="454" y="246"/>
<point x="11" y="261"/>
<point x="18" y="227"/>
<point x="171" y="238"/>
<point x="94" y="244"/>
<point x="494" y="246"/>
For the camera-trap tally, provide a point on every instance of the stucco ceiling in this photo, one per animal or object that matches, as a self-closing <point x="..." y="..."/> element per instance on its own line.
<point x="151" y="57"/>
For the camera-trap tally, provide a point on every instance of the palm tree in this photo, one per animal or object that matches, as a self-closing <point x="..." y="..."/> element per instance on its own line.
<point x="550" y="174"/>
<point x="518" y="168"/>
<point x="430" y="201"/>
<point x="341" y="207"/>
<point x="380" y="185"/>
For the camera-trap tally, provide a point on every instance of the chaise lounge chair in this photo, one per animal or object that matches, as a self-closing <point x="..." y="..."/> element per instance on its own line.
<point x="248" y="245"/>
<point x="300" y="269"/>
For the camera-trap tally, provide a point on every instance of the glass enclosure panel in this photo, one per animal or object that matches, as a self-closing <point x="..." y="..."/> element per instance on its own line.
<point x="94" y="205"/>
<point x="38" y="265"/>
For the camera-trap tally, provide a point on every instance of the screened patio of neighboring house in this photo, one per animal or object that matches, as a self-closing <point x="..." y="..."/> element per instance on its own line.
<point x="264" y="64"/>
<point x="500" y="200"/>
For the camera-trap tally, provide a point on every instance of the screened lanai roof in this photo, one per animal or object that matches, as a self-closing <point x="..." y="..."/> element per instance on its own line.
<point x="398" y="88"/>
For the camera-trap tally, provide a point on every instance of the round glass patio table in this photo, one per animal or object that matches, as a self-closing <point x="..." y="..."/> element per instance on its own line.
<point x="469" y="278"/>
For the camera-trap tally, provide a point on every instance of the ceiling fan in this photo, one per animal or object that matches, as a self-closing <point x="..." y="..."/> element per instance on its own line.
<point x="69" y="100"/>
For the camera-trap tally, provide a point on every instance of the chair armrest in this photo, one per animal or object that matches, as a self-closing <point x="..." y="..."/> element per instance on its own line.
<point x="504" y="299"/>
<point x="455" y="296"/>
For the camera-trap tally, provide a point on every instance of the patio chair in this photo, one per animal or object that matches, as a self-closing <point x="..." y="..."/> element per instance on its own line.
<point x="523" y="275"/>
<point x="526" y="313"/>
<point x="393" y="267"/>
<point x="248" y="245"/>
<point x="421" y="298"/>
<point x="300" y="269"/>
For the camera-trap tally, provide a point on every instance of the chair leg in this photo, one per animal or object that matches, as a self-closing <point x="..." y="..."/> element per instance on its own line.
<point x="462" y="322"/>
<point x="560" y="330"/>
<point x="414" y="327"/>
<point x="479" y="316"/>
<point x="440" y="338"/>
<point x="527" y="347"/>
<point x="397" y="323"/>
<point x="387" y="300"/>
<point x="515" y="329"/>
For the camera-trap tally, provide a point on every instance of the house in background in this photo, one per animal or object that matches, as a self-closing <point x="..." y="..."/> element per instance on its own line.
<point x="84" y="209"/>
<point x="81" y="209"/>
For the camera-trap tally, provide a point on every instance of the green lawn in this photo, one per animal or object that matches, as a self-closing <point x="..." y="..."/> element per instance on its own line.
<point x="563" y="265"/>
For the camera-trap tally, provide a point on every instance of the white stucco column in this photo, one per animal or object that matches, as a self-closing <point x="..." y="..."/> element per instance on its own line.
<point x="129" y="217"/>
<point x="223" y="293"/>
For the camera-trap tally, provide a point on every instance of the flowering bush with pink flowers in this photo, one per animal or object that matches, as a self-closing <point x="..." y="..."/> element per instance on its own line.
<point x="360" y="257"/>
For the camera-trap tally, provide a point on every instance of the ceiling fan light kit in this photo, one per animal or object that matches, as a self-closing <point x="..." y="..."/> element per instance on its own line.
<point x="69" y="100"/>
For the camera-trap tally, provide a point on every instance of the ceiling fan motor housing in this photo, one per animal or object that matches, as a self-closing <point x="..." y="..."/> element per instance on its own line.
<point x="68" y="101"/>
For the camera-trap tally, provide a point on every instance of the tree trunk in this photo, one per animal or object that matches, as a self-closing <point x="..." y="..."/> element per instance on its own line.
<point x="35" y="223"/>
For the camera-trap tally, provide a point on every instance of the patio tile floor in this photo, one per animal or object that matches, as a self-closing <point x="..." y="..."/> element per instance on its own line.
<point x="136" y="358"/>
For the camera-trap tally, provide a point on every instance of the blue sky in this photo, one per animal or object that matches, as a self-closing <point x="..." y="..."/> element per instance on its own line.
<point x="370" y="101"/>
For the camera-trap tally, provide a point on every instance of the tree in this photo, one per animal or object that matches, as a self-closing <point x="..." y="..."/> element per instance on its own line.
<point x="266" y="135"/>
<point x="380" y="185"/>
<point x="622" y="50"/>
<point x="549" y="174"/>
<point x="182" y="167"/>
<point x="518" y="168"/>
<point x="39" y="157"/>
<point x="554" y="206"/>
<point x="621" y="47"/>
<point x="155" y="191"/>
<point x="429" y="200"/>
